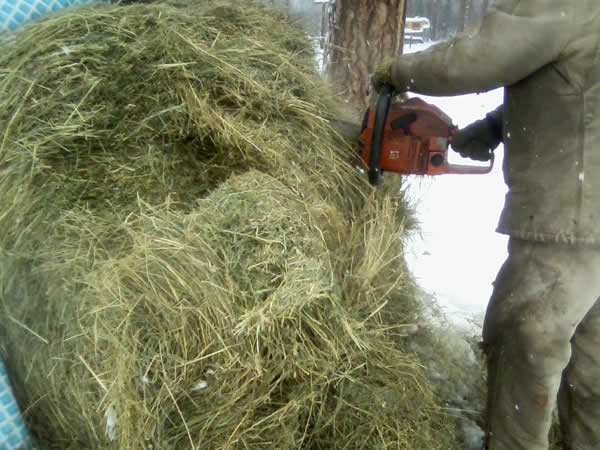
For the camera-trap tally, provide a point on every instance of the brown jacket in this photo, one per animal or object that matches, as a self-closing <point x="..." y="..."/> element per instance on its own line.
<point x="547" y="55"/>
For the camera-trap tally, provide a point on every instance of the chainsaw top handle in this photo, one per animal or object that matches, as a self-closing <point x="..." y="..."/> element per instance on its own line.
<point x="384" y="101"/>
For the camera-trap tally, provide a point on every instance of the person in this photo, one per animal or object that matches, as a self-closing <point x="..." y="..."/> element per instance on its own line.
<point x="542" y="325"/>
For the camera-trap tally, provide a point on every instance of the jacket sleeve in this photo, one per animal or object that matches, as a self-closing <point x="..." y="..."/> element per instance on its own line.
<point x="516" y="38"/>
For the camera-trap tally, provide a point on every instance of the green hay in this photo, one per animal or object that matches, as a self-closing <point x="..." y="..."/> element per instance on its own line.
<point x="186" y="245"/>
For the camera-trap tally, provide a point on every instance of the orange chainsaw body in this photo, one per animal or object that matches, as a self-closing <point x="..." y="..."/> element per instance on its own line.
<point x="414" y="141"/>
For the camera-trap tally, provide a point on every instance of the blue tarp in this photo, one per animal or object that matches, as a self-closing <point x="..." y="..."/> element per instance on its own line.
<point x="13" y="434"/>
<point x="13" y="13"/>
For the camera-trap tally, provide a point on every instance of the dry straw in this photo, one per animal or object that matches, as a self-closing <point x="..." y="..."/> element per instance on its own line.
<point x="188" y="258"/>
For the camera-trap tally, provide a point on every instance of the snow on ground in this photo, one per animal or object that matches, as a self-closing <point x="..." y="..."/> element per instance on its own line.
<point x="457" y="253"/>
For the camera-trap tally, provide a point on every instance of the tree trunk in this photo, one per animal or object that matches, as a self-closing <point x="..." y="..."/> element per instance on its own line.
<point x="441" y="20"/>
<point x="365" y="33"/>
<point x="462" y="15"/>
<point x="449" y="18"/>
<point x="469" y="14"/>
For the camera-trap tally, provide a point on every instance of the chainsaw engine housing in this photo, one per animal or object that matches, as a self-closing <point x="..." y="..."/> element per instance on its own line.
<point x="413" y="140"/>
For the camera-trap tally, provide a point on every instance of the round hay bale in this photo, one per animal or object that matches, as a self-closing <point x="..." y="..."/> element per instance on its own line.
<point x="188" y="258"/>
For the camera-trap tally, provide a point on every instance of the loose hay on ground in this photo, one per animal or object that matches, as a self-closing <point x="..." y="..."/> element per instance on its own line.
<point x="186" y="250"/>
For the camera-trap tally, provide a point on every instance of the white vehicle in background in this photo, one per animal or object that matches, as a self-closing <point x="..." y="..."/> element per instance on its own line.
<point x="416" y="30"/>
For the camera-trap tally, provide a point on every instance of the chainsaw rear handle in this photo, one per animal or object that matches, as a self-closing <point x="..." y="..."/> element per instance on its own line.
<point x="384" y="101"/>
<point x="464" y="169"/>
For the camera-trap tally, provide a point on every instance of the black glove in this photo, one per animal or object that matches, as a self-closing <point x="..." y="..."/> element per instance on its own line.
<point x="479" y="139"/>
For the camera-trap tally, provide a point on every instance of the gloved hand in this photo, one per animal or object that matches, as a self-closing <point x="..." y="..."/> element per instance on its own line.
<point x="478" y="140"/>
<point x="382" y="75"/>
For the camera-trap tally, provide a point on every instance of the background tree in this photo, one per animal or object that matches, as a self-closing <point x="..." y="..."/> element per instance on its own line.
<point x="364" y="33"/>
<point x="486" y="4"/>
<point x="464" y="14"/>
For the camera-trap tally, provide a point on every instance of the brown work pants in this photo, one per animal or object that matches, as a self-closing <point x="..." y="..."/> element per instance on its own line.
<point x="542" y="334"/>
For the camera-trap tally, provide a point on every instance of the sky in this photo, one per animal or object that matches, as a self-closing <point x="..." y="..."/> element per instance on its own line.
<point x="457" y="253"/>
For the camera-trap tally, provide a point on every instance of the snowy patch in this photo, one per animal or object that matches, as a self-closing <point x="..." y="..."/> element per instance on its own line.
<point x="200" y="386"/>
<point x="472" y="436"/>
<point x="112" y="423"/>
<point x="458" y="216"/>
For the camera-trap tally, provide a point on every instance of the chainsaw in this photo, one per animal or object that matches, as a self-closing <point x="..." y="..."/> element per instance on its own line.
<point x="409" y="137"/>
